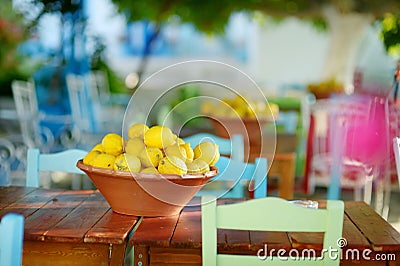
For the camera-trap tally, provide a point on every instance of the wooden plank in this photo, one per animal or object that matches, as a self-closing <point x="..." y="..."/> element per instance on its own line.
<point x="274" y="240"/>
<point x="31" y="202"/>
<point x="155" y="231"/>
<point x="353" y="236"/>
<point x="174" y="256"/>
<point x="188" y="229"/>
<point x="9" y="195"/>
<point x="117" y="254"/>
<point x="112" y="228"/>
<point x="80" y="220"/>
<point x="50" y="214"/>
<point x="141" y="255"/>
<point x="60" y="254"/>
<point x="381" y="235"/>
<point x="238" y="240"/>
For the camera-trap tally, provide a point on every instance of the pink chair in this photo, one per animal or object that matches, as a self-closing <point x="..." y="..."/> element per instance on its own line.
<point x="349" y="147"/>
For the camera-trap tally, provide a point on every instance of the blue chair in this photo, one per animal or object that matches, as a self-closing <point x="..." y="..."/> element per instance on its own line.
<point x="236" y="172"/>
<point x="11" y="240"/>
<point x="64" y="161"/>
<point x="233" y="147"/>
<point x="233" y="169"/>
<point x="255" y="215"/>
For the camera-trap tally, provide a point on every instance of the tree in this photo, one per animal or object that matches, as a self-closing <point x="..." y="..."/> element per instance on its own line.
<point x="345" y="19"/>
<point x="13" y="31"/>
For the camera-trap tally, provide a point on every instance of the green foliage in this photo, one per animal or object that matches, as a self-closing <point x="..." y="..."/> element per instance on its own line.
<point x="390" y="33"/>
<point x="12" y="32"/>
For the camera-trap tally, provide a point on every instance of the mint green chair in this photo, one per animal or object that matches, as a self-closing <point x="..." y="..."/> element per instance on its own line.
<point x="269" y="214"/>
<point x="64" y="161"/>
<point x="11" y="240"/>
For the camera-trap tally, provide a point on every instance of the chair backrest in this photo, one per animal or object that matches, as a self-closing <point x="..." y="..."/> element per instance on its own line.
<point x="25" y="98"/>
<point x="64" y="161"/>
<point x="255" y="215"/>
<point x="11" y="241"/>
<point x="7" y="156"/>
<point x="26" y="104"/>
<point x="232" y="170"/>
<point x="233" y="147"/>
<point x="79" y="101"/>
<point x="348" y="131"/>
<point x="99" y="86"/>
<point x="396" y="149"/>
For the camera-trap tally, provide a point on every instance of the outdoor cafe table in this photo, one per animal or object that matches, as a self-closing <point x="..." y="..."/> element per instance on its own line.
<point x="72" y="227"/>
<point x="68" y="227"/>
<point x="176" y="240"/>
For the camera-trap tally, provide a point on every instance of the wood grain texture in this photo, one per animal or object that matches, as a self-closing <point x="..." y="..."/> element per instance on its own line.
<point x="181" y="244"/>
<point x="381" y="235"/>
<point x="68" y="227"/>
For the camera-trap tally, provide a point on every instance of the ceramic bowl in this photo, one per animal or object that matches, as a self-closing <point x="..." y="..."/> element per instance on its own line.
<point x="142" y="194"/>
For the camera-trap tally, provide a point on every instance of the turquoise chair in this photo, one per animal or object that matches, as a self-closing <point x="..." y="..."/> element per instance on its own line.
<point x="233" y="169"/>
<point x="269" y="214"/>
<point x="64" y="161"/>
<point x="11" y="240"/>
<point x="233" y="147"/>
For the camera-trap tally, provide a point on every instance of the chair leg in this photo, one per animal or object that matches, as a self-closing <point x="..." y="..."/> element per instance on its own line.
<point x="386" y="200"/>
<point x="368" y="189"/>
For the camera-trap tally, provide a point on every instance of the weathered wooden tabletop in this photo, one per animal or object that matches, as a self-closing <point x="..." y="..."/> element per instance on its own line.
<point x="68" y="227"/>
<point x="176" y="239"/>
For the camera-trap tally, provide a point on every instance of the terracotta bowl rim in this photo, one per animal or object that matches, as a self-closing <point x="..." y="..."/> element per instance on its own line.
<point x="244" y="119"/>
<point x="147" y="176"/>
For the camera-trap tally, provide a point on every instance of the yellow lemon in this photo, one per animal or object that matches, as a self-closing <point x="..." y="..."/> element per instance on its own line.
<point x="137" y="130"/>
<point x="103" y="160"/>
<point x="207" y="151"/>
<point x="180" y="141"/>
<point x="198" y="166"/>
<point x="189" y="151"/>
<point x="134" y="146"/>
<point x="150" y="157"/>
<point x="112" y="144"/>
<point x="127" y="162"/>
<point x="159" y="137"/>
<point x="150" y="170"/>
<point x="90" y="156"/>
<point x="172" y="165"/>
<point x="176" y="150"/>
<point x="98" y="147"/>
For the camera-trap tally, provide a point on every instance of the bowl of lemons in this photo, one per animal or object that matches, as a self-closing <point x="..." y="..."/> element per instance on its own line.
<point x="240" y="116"/>
<point x="152" y="173"/>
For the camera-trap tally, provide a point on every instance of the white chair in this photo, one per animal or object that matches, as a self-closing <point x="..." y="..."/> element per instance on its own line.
<point x="269" y="214"/>
<point x="33" y="130"/>
<point x="101" y="91"/>
<point x="396" y="150"/>
<point x="92" y="117"/>
<point x="11" y="240"/>
<point x="64" y="161"/>
<point x="7" y="156"/>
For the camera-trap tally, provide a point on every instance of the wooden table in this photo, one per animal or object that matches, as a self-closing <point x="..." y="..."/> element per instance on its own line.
<point x="281" y="165"/>
<point x="68" y="227"/>
<point x="176" y="240"/>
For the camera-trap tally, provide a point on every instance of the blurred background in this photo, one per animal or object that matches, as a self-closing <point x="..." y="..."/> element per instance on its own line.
<point x="294" y="50"/>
